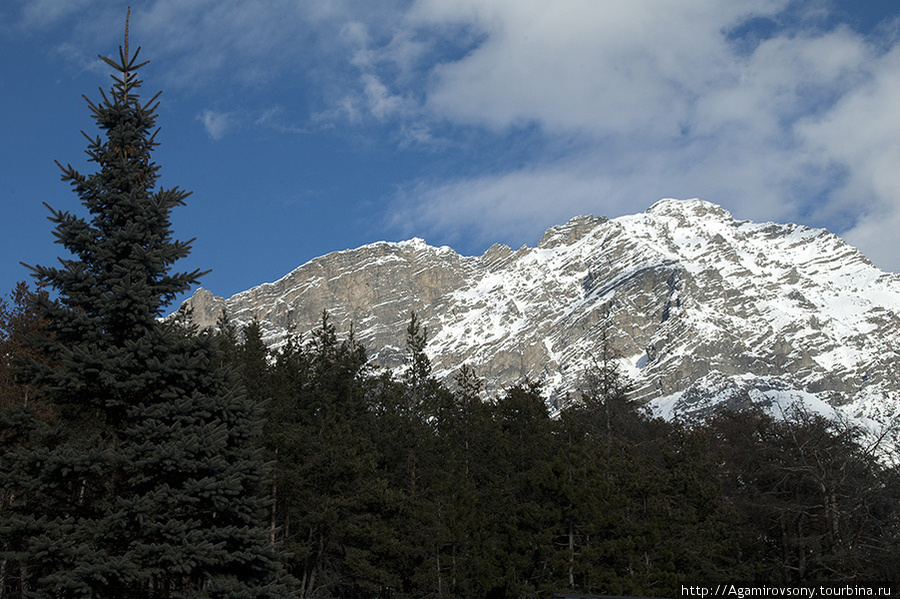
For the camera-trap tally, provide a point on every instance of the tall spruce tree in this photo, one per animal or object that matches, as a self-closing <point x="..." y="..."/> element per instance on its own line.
<point x="149" y="484"/>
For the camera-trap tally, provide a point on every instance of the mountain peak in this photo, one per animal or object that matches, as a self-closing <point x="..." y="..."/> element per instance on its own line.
<point x="570" y="232"/>
<point x="694" y="303"/>
<point x="692" y="207"/>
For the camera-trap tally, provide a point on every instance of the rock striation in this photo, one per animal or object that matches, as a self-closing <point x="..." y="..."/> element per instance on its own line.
<point x="699" y="307"/>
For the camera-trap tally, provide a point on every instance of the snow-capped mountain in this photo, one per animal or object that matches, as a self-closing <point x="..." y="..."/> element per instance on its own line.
<point x="699" y="307"/>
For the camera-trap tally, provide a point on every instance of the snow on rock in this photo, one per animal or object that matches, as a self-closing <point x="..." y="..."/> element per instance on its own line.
<point x="702" y="308"/>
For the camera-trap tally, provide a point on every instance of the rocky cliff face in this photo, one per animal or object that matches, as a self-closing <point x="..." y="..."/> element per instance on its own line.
<point x="700" y="308"/>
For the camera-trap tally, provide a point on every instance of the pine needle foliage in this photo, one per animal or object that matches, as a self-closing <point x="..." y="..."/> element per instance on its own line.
<point x="149" y="484"/>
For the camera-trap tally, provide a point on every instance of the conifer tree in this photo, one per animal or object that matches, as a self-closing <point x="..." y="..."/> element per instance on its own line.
<point x="17" y="323"/>
<point x="418" y="367"/>
<point x="148" y="485"/>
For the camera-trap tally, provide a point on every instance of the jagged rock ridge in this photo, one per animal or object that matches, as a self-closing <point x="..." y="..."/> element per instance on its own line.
<point x="700" y="307"/>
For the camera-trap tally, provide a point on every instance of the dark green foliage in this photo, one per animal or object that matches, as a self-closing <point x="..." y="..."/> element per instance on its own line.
<point x="418" y="365"/>
<point x="18" y="323"/>
<point x="147" y="484"/>
<point x="641" y="509"/>
<point x="320" y="432"/>
<point x="399" y="487"/>
<point x="821" y="506"/>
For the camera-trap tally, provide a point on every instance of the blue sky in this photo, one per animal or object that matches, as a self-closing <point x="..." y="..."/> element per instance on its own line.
<point x="304" y="127"/>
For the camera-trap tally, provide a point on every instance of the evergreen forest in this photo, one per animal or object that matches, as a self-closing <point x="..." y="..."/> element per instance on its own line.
<point x="141" y="457"/>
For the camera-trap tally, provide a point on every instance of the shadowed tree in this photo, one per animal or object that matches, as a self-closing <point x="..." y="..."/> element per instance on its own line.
<point x="18" y="322"/>
<point x="149" y="484"/>
<point x="822" y="507"/>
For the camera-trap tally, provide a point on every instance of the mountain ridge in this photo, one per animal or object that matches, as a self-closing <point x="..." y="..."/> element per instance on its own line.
<point x="701" y="308"/>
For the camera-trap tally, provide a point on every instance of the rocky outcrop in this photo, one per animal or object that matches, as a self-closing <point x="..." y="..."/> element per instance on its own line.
<point x="697" y="305"/>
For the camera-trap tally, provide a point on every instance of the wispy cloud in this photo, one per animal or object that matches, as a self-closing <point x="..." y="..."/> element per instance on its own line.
<point x="79" y="62"/>
<point x="274" y="118"/>
<point x="799" y="126"/>
<point x="42" y="13"/>
<point x="505" y="206"/>
<point x="796" y="120"/>
<point x="217" y="124"/>
<point x="861" y="135"/>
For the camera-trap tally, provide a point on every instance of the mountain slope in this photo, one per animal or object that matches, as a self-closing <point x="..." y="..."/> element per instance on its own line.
<point x="700" y="307"/>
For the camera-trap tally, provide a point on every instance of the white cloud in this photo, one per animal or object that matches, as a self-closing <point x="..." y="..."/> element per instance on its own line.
<point x="40" y="13"/>
<point x="803" y="126"/>
<point x="381" y="102"/>
<point x="274" y="118"/>
<point x="79" y="61"/>
<point x="583" y="65"/>
<point x="876" y="235"/>
<point x="262" y="42"/>
<point x="216" y="123"/>
<point x="862" y="135"/>
<point x="505" y="206"/>
<point x="655" y="98"/>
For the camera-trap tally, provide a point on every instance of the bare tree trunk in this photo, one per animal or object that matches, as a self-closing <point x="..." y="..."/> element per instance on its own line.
<point x="571" y="554"/>
<point x="273" y="510"/>
<point x="440" y="592"/>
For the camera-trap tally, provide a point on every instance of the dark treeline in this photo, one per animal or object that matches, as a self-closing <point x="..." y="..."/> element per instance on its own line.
<point x="399" y="486"/>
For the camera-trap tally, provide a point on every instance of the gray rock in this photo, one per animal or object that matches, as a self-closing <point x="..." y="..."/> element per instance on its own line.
<point x="700" y="308"/>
